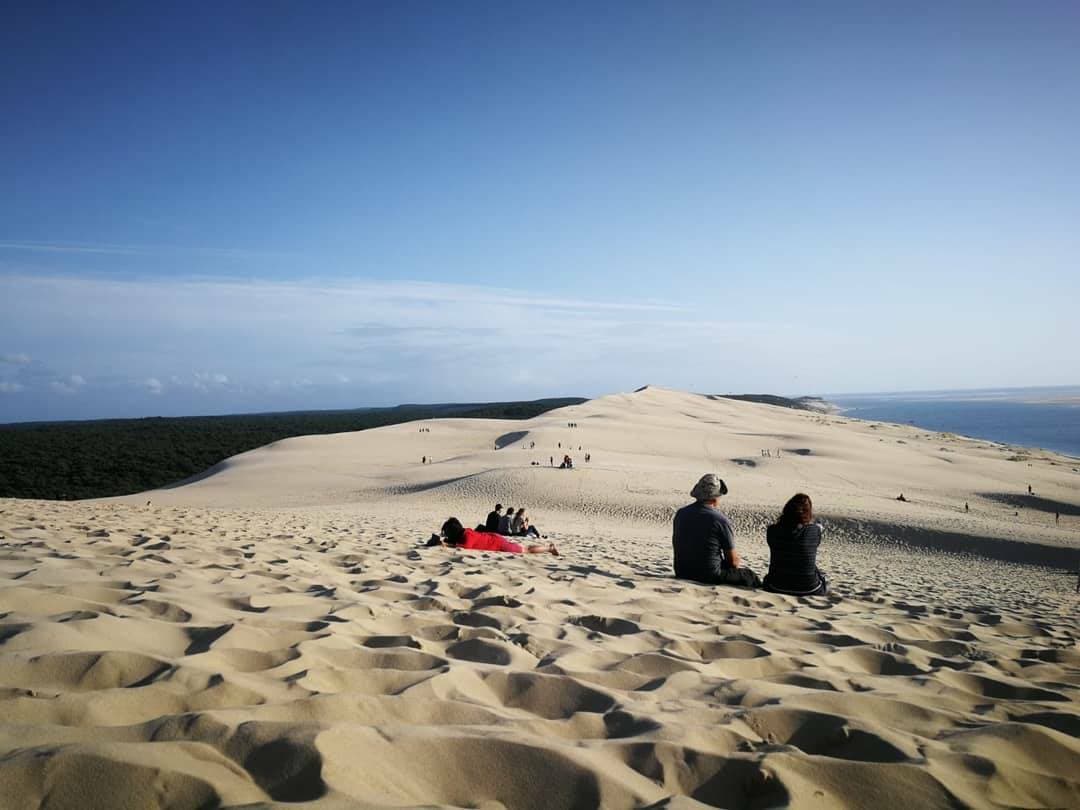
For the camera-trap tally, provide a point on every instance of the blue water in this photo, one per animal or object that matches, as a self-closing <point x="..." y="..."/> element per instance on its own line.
<point x="1049" y="425"/>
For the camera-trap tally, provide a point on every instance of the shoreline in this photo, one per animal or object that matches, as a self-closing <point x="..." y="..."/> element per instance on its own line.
<point x="851" y="411"/>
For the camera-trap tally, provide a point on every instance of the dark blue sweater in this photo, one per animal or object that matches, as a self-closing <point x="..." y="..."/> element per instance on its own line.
<point x="702" y="539"/>
<point x="793" y="558"/>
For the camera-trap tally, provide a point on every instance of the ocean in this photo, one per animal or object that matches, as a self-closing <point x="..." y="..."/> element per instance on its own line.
<point x="1031" y="417"/>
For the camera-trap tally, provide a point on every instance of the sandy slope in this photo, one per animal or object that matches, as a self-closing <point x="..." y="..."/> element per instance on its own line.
<point x="271" y="633"/>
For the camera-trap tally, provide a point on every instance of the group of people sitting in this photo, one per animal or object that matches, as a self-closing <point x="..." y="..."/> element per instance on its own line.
<point x="512" y="523"/>
<point x="702" y="538"/>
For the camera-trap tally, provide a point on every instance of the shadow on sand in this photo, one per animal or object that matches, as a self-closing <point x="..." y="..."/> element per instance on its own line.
<point x="1032" y="502"/>
<point x="1014" y="551"/>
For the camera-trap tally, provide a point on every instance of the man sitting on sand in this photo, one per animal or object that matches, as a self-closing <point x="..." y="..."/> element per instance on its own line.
<point x="455" y="535"/>
<point x="704" y="541"/>
<point x="493" y="518"/>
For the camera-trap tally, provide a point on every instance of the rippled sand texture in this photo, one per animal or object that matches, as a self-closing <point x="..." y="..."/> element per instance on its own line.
<point x="190" y="656"/>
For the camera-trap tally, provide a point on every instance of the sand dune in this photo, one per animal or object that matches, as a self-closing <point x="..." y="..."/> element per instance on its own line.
<point x="271" y="633"/>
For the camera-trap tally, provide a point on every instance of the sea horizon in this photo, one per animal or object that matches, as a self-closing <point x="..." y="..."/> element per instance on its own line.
<point x="1019" y="393"/>
<point x="1035" y="417"/>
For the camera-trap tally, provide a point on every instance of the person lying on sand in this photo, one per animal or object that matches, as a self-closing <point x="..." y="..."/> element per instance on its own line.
<point x="793" y="544"/>
<point x="455" y="535"/>
<point x="704" y="541"/>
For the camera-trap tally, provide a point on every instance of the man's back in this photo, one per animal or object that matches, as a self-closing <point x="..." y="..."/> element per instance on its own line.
<point x="492" y="522"/>
<point x="702" y="539"/>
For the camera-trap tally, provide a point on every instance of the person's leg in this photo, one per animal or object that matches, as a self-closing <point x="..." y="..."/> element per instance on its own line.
<point x="740" y="578"/>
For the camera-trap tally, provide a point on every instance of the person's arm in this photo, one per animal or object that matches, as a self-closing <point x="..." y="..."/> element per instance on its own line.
<point x="714" y="556"/>
<point x="725" y="545"/>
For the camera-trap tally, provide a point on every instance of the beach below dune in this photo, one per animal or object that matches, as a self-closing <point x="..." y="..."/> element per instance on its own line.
<point x="276" y="634"/>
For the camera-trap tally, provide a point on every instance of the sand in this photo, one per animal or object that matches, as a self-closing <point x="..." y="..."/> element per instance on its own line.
<point x="273" y="634"/>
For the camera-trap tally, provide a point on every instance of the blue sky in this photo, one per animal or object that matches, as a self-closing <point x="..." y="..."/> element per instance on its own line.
<point x="286" y="205"/>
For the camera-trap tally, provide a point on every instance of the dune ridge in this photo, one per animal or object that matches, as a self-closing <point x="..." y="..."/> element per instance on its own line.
<point x="273" y="635"/>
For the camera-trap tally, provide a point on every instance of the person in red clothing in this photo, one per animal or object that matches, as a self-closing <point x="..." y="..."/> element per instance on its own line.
<point x="457" y="536"/>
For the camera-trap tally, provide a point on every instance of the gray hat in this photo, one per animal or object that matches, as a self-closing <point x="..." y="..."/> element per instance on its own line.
<point x="709" y="487"/>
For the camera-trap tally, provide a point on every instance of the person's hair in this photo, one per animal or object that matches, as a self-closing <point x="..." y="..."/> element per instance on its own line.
<point x="498" y="506"/>
<point x="454" y="532"/>
<point x="521" y="511"/>
<point x="798" y="511"/>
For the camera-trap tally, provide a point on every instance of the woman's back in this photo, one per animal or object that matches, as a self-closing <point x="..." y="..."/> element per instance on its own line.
<point x="793" y="557"/>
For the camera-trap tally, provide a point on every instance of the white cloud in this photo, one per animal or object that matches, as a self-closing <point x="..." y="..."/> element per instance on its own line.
<point x="139" y="250"/>
<point x="412" y="340"/>
<point x="15" y="359"/>
<point x="68" y="385"/>
<point x="205" y="381"/>
<point x="10" y="387"/>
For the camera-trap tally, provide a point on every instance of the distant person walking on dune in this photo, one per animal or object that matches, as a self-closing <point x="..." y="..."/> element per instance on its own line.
<point x="492" y="522"/>
<point x="793" y="544"/>
<point x="551" y="461"/>
<point x="454" y="535"/>
<point x="704" y="542"/>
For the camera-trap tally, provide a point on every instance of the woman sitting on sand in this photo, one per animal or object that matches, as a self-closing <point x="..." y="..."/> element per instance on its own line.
<point x="520" y="526"/>
<point x="457" y="536"/>
<point x="793" y="544"/>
